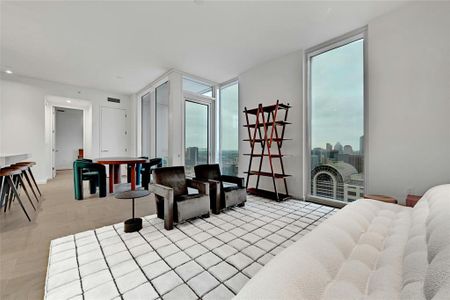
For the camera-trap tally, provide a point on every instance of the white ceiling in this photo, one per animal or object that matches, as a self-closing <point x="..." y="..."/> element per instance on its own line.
<point x="122" y="46"/>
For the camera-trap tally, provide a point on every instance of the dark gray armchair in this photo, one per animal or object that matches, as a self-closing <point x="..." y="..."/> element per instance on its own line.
<point x="225" y="191"/>
<point x="173" y="203"/>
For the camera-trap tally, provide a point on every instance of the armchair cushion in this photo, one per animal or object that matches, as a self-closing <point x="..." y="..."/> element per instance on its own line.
<point x="227" y="187"/>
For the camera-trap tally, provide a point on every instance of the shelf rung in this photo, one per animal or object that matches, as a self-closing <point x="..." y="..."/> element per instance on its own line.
<point x="262" y="140"/>
<point x="268" y="108"/>
<point x="268" y="124"/>
<point x="265" y="154"/>
<point x="267" y="174"/>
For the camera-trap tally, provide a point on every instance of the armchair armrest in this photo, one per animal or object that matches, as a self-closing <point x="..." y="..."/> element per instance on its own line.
<point x="201" y="186"/>
<point x="233" y="179"/>
<point x="167" y="194"/>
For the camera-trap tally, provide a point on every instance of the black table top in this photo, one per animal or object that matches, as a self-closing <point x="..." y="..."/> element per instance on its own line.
<point x="132" y="194"/>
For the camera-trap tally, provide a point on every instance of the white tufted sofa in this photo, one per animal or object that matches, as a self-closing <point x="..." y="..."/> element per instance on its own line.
<point x="368" y="250"/>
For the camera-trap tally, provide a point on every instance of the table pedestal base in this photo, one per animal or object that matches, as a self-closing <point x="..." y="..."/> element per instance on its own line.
<point x="133" y="225"/>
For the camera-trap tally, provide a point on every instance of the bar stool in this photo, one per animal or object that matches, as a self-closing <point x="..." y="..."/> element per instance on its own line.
<point x="8" y="188"/>
<point x="19" y="183"/>
<point x="30" y="164"/>
<point x="27" y="167"/>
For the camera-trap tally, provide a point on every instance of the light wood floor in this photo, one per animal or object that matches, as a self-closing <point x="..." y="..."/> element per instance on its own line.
<point x="24" y="245"/>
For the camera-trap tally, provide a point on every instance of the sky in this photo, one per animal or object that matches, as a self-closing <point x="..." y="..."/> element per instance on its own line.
<point x="337" y="96"/>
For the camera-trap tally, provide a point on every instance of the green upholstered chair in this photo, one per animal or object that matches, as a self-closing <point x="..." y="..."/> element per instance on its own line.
<point x="85" y="169"/>
<point x="138" y="172"/>
<point x="147" y="168"/>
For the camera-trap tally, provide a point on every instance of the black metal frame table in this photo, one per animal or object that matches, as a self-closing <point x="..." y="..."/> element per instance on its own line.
<point x="133" y="224"/>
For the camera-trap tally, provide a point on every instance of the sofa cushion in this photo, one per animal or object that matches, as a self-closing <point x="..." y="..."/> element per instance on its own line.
<point x="368" y="250"/>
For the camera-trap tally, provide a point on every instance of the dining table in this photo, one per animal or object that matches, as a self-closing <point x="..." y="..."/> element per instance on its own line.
<point x="114" y="164"/>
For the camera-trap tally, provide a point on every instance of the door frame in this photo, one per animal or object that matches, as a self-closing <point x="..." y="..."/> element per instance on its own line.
<point x="51" y="102"/>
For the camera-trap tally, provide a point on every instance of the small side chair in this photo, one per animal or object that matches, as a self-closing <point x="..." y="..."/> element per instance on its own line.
<point x="85" y="169"/>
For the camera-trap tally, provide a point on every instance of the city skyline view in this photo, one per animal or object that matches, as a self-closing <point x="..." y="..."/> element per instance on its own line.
<point x="337" y="96"/>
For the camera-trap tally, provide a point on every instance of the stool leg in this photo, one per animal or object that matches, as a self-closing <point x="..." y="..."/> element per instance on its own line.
<point x="30" y="185"/>
<point x="3" y="192"/>
<point x="14" y="190"/>
<point x="6" y="194"/>
<point x="25" y="190"/>
<point x="34" y="180"/>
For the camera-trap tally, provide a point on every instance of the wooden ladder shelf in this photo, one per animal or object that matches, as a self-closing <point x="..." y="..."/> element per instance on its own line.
<point x="267" y="131"/>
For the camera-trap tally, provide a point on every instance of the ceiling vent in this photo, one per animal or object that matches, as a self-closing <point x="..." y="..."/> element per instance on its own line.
<point x="115" y="100"/>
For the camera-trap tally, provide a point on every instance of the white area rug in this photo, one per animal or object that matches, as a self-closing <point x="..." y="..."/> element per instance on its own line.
<point x="209" y="258"/>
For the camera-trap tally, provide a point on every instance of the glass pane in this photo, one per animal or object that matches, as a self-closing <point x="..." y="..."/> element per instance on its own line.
<point x="145" y="124"/>
<point x="162" y="122"/>
<point x="196" y="136"/>
<point x="337" y="123"/>
<point x="197" y="87"/>
<point x="229" y="139"/>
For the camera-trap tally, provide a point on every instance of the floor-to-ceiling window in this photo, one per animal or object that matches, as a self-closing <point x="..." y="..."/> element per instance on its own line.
<point x="229" y="131"/>
<point x="336" y="119"/>
<point x="162" y="122"/>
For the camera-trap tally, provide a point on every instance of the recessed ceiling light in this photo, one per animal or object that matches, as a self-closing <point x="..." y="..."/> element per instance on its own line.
<point x="68" y="101"/>
<point x="8" y="71"/>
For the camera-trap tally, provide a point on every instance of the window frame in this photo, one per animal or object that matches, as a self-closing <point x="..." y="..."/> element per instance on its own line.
<point x="360" y="33"/>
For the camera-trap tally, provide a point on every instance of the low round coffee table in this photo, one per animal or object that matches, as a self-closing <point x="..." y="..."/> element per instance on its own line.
<point x="133" y="224"/>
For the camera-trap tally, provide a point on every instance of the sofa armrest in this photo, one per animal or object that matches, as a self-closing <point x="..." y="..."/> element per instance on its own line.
<point x="201" y="186"/>
<point x="233" y="179"/>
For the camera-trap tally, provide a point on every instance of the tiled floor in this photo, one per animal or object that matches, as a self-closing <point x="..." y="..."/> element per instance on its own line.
<point x="208" y="258"/>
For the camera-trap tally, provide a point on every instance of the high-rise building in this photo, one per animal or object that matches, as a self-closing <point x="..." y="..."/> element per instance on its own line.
<point x="191" y="156"/>
<point x="348" y="149"/>
<point x="338" y="147"/>
<point x="329" y="147"/>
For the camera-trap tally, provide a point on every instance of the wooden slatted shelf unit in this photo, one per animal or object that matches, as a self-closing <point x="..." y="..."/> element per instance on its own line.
<point x="266" y="136"/>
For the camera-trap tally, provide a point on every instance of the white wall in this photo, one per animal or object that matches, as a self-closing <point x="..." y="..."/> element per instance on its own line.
<point x="68" y="136"/>
<point x="23" y="117"/>
<point x="409" y="99"/>
<point x="278" y="79"/>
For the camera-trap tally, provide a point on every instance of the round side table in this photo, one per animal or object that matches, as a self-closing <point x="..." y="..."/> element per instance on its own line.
<point x="133" y="224"/>
<point x="382" y="198"/>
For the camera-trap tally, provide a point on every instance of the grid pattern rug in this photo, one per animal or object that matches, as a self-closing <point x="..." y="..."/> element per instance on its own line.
<point x="210" y="258"/>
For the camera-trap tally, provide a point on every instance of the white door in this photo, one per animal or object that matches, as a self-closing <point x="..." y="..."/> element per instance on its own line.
<point x="113" y="132"/>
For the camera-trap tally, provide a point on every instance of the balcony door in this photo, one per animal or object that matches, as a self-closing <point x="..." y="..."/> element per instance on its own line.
<point x="197" y="138"/>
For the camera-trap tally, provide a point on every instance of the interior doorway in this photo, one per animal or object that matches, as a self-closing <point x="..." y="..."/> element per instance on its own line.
<point x="53" y="103"/>
<point x="68" y="136"/>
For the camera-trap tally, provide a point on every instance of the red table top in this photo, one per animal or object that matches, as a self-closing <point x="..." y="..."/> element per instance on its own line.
<point x="120" y="160"/>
